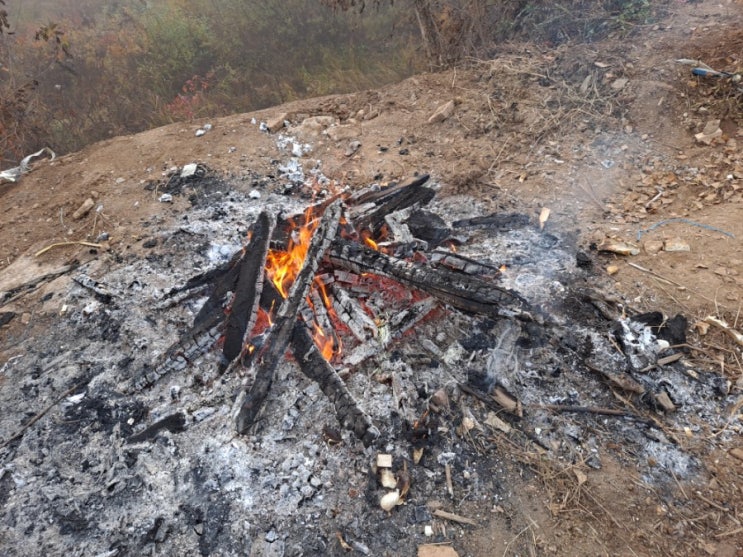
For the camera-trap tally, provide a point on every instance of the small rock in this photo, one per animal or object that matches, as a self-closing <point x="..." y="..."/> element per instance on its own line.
<point x="254" y="194"/>
<point x="442" y="113"/>
<point x="612" y="270"/>
<point x="189" y="170"/>
<point x="343" y="132"/>
<point x="316" y="124"/>
<point x="84" y="209"/>
<point x="653" y="246"/>
<point x="200" y="132"/>
<point x="150" y="243"/>
<point x="278" y="122"/>
<point x="166" y="198"/>
<point x="353" y="147"/>
<point x="676" y="244"/>
<point x="25" y="318"/>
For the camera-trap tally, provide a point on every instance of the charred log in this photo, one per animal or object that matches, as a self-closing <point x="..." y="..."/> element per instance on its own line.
<point x="248" y="290"/>
<point x="317" y="368"/>
<point x="373" y="219"/>
<point x="496" y="221"/>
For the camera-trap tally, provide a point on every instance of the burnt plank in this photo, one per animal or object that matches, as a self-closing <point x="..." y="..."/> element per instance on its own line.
<point x="248" y="289"/>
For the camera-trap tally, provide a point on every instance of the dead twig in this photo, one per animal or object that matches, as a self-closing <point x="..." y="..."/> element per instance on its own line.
<point x="454" y="517"/>
<point x="63" y="244"/>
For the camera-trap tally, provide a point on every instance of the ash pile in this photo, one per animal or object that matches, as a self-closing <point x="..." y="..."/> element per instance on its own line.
<point x="140" y="425"/>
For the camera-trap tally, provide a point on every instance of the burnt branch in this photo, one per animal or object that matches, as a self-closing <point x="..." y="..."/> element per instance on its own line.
<point x="317" y="368"/>
<point x="464" y="292"/>
<point x="283" y="326"/>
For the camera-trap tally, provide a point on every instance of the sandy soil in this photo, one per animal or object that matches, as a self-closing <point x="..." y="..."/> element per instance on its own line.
<point x="602" y="135"/>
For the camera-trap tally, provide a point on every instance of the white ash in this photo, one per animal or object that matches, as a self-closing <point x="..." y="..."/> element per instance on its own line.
<point x="73" y="484"/>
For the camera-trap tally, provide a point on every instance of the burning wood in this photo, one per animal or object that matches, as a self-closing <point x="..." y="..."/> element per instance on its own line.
<point x="283" y="326"/>
<point x="248" y="290"/>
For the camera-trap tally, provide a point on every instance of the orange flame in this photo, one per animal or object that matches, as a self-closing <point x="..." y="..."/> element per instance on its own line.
<point x="282" y="268"/>
<point x="366" y="236"/>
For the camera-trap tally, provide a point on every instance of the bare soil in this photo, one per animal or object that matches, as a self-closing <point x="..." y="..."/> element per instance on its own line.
<point x="601" y="134"/>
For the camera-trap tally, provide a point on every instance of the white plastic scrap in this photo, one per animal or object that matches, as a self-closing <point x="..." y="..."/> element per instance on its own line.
<point x="12" y="174"/>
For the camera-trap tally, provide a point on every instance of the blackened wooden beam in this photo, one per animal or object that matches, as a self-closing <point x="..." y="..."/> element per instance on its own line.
<point x="248" y="289"/>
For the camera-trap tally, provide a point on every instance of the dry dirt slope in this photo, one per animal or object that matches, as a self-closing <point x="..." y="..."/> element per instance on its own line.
<point x="601" y="134"/>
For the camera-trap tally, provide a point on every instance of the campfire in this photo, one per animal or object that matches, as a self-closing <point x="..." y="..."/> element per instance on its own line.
<point x="303" y="283"/>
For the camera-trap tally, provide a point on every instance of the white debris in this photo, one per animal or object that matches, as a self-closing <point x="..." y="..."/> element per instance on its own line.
<point x="189" y="170"/>
<point x="12" y="174"/>
<point x="166" y="198"/>
<point x="254" y="194"/>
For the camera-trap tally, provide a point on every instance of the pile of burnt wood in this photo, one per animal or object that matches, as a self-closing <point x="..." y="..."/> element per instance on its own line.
<point x="288" y="288"/>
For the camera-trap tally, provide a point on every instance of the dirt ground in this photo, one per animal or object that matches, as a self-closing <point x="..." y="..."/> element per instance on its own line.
<point x="602" y="135"/>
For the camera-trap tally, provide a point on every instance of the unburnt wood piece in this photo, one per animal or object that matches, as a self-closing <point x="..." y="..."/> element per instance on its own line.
<point x="497" y="221"/>
<point x="317" y="368"/>
<point x="280" y="332"/>
<point x="464" y="292"/>
<point x="244" y="308"/>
